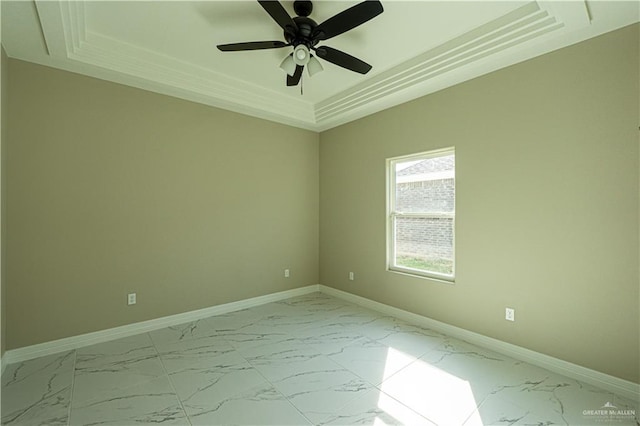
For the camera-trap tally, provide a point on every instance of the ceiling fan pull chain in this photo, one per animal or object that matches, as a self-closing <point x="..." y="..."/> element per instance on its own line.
<point x="301" y="81"/>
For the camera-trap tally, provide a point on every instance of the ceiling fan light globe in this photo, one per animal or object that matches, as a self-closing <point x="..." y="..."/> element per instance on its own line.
<point x="314" y="66"/>
<point x="288" y="65"/>
<point x="301" y="55"/>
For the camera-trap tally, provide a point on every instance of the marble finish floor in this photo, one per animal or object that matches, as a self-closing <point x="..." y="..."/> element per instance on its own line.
<point x="308" y="360"/>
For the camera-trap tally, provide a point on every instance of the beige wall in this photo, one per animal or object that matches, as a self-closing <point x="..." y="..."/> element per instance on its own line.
<point x="114" y="190"/>
<point x="4" y="79"/>
<point x="547" y="203"/>
<point x="3" y="130"/>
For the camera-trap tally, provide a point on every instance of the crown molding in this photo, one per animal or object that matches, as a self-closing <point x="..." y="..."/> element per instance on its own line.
<point x="488" y="47"/>
<point x="521" y="25"/>
<point x="68" y="39"/>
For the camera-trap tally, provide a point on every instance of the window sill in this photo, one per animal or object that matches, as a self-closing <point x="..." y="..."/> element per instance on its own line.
<point x="424" y="276"/>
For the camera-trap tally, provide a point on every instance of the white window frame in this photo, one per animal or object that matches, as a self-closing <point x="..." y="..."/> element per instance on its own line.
<point x="392" y="214"/>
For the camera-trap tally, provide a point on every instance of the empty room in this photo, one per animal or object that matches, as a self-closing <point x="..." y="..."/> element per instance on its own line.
<point x="320" y="213"/>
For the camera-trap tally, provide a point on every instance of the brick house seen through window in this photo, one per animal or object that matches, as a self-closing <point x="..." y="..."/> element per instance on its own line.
<point x="422" y="214"/>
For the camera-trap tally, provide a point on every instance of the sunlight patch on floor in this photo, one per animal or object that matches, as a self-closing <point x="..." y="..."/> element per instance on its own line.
<point x="395" y="361"/>
<point x="436" y="394"/>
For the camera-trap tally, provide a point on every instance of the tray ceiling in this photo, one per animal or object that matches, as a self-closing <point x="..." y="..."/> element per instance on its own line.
<point x="415" y="47"/>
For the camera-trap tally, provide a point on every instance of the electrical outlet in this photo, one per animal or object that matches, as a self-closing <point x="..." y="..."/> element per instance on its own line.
<point x="131" y="299"/>
<point x="510" y="314"/>
<point x="352" y="276"/>
<point x="287" y="273"/>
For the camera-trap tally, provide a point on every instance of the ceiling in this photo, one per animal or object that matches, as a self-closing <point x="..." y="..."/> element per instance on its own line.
<point x="415" y="47"/>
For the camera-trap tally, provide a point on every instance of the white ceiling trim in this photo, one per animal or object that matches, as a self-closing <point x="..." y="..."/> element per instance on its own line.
<point x="63" y="25"/>
<point x="67" y="39"/>
<point x="519" y="26"/>
<point x="413" y="78"/>
<point x="122" y="57"/>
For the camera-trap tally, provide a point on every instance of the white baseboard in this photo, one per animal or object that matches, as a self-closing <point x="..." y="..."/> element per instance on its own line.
<point x="74" y="342"/>
<point x="613" y="384"/>
<point x="616" y="385"/>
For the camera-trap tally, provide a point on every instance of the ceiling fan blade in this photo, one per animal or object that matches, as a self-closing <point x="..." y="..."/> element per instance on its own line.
<point x="295" y="79"/>
<point x="348" y="19"/>
<point x="280" y="15"/>
<point x="342" y="59"/>
<point x="252" y="45"/>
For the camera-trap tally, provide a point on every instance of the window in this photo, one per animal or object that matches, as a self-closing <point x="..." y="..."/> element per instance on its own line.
<point x="421" y="214"/>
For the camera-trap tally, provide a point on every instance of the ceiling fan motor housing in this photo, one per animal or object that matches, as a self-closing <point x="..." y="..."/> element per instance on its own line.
<point x="306" y="26"/>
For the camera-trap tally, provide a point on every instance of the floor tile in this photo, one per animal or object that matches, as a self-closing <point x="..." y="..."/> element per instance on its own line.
<point x="372" y="360"/>
<point x="497" y="411"/>
<point x="209" y="379"/>
<point x="549" y="396"/>
<point x="254" y="336"/>
<point x="282" y="350"/>
<point x="439" y="392"/>
<point x="38" y="391"/>
<point x="372" y="408"/>
<point x="119" y="364"/>
<point x="328" y="338"/>
<point x="312" y="359"/>
<point x="286" y="359"/>
<point x="315" y="302"/>
<point x="306" y="300"/>
<point x="267" y="309"/>
<point x="411" y="339"/>
<point x="176" y="355"/>
<point x="232" y="321"/>
<point x="382" y="326"/>
<point x="352" y="316"/>
<point x="482" y="369"/>
<point x="126" y="346"/>
<point x="182" y="332"/>
<point x="262" y="405"/>
<point x="330" y="389"/>
<point x="287" y="323"/>
<point x="630" y="414"/>
<point x="152" y="402"/>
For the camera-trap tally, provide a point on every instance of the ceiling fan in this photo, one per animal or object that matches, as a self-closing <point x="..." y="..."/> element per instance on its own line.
<point x="303" y="33"/>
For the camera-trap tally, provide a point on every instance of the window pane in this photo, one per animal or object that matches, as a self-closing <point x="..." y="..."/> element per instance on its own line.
<point x="425" y="244"/>
<point x="422" y="203"/>
<point x="425" y="186"/>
